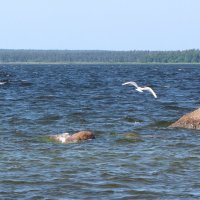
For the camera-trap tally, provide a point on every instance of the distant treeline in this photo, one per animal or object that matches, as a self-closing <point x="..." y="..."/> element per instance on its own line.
<point x="98" y="56"/>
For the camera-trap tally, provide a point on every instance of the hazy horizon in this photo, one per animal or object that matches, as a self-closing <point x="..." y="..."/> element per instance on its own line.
<point x="97" y="50"/>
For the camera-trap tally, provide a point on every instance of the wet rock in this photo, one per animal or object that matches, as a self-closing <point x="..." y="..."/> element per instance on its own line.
<point x="190" y="121"/>
<point x="67" y="138"/>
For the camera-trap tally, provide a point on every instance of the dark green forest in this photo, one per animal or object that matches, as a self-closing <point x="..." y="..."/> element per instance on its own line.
<point x="98" y="56"/>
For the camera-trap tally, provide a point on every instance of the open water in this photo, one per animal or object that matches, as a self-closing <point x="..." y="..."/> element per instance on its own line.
<point x="134" y="156"/>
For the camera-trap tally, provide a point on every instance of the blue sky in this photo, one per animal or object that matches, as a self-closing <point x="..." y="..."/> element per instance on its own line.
<point x="100" y="24"/>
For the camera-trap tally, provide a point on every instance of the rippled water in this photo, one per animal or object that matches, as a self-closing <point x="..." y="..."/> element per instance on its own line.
<point x="134" y="156"/>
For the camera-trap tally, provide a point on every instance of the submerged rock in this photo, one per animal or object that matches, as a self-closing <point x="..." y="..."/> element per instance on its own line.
<point x="190" y="121"/>
<point x="67" y="138"/>
<point x="133" y="137"/>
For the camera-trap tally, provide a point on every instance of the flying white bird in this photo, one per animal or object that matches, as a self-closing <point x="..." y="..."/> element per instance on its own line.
<point x="140" y="89"/>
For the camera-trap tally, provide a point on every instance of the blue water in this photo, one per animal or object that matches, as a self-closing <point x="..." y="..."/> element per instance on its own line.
<point x="134" y="156"/>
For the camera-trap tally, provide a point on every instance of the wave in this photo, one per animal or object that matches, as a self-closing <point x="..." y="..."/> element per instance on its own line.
<point x="133" y="120"/>
<point x="160" y="123"/>
<point x="25" y="83"/>
<point x="45" y="97"/>
<point x="2" y="83"/>
<point x="49" y="119"/>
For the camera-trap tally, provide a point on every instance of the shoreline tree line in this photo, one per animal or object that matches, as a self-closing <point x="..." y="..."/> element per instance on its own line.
<point x="98" y="56"/>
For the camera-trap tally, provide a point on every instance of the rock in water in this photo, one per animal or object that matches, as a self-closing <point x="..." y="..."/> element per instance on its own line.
<point x="82" y="135"/>
<point x="190" y="121"/>
<point x="66" y="138"/>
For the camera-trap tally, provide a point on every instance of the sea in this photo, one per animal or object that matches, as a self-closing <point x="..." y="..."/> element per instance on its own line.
<point x="135" y="154"/>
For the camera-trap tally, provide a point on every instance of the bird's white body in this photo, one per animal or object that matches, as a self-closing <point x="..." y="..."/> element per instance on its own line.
<point x="141" y="89"/>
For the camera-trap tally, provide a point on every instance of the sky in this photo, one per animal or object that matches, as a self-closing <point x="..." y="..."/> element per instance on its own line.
<point x="100" y="24"/>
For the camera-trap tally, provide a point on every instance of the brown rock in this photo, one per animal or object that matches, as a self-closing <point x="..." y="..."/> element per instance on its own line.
<point x="66" y="138"/>
<point x="190" y="121"/>
<point x="82" y="135"/>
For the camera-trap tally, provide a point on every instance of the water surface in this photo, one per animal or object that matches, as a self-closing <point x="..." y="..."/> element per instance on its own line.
<point x="134" y="156"/>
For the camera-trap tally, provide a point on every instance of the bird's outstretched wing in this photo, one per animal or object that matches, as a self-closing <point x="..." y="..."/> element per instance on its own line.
<point x="150" y="90"/>
<point x="131" y="83"/>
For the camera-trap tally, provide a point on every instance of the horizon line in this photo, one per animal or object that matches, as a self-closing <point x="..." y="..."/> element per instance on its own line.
<point x="33" y="49"/>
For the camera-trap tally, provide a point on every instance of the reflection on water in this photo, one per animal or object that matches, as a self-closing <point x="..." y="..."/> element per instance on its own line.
<point x="134" y="155"/>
